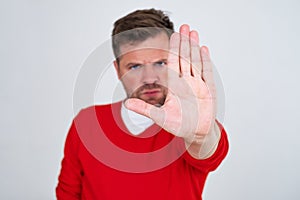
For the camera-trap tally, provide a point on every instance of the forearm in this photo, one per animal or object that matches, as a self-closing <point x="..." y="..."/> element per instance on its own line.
<point x="69" y="181"/>
<point x="205" y="148"/>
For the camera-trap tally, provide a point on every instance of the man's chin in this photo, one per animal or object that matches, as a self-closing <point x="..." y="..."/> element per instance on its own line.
<point x="155" y="102"/>
<point x="158" y="101"/>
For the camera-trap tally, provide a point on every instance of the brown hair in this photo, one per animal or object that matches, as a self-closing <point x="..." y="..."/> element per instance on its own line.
<point x="146" y="23"/>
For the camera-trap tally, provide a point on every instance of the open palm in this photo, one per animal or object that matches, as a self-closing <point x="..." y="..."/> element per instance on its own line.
<point x="190" y="106"/>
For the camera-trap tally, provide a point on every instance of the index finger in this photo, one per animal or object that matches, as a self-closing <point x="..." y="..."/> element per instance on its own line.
<point x="196" y="64"/>
<point x="173" y="57"/>
<point x="207" y="70"/>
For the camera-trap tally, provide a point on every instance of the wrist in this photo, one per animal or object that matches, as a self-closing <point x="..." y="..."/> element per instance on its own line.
<point x="203" y="146"/>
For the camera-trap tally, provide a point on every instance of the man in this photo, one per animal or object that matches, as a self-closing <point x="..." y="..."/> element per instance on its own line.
<point x="163" y="140"/>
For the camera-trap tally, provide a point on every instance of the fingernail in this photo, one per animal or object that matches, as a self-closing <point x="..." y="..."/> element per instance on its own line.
<point x="126" y="103"/>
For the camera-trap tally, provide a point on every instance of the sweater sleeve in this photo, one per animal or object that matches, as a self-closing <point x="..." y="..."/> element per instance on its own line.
<point x="69" y="180"/>
<point x="211" y="163"/>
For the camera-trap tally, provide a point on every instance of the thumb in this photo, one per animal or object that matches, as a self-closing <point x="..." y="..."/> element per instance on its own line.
<point x="141" y="107"/>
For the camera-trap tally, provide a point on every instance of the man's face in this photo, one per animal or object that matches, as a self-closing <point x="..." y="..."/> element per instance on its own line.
<point x="142" y="69"/>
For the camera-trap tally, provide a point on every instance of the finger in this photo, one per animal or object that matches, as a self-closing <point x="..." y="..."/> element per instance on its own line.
<point x="207" y="66"/>
<point x="196" y="64"/>
<point x="207" y="71"/>
<point x="141" y="107"/>
<point x="173" y="57"/>
<point x="185" y="50"/>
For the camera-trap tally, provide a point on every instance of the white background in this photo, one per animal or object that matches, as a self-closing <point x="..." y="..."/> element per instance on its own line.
<point x="254" y="45"/>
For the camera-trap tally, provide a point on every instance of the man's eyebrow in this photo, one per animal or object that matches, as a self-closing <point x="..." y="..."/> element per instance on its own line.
<point x="161" y="60"/>
<point x="137" y="63"/>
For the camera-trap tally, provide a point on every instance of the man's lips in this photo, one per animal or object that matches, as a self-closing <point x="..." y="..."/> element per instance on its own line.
<point x="151" y="92"/>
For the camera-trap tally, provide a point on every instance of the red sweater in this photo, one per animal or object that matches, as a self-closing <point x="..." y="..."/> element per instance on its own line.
<point x="103" y="161"/>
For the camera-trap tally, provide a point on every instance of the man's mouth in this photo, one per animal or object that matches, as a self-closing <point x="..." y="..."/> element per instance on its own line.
<point x="151" y="92"/>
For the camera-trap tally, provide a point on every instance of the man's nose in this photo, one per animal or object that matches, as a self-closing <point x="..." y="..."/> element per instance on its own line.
<point x="150" y="75"/>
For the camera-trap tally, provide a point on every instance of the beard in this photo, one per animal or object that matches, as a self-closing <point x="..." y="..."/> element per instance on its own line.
<point x="154" y="94"/>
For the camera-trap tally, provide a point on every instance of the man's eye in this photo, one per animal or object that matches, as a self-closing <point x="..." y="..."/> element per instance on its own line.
<point x="133" y="67"/>
<point x="160" y="63"/>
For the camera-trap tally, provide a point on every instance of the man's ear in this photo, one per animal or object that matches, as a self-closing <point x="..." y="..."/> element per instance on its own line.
<point x="117" y="68"/>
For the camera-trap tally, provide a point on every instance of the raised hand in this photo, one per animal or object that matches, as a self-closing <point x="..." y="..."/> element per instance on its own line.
<point x="190" y="106"/>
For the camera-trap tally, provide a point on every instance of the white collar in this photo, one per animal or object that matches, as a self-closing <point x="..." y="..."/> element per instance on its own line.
<point x="135" y="122"/>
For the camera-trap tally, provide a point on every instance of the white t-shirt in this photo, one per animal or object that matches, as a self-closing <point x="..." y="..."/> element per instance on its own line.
<point x="135" y="122"/>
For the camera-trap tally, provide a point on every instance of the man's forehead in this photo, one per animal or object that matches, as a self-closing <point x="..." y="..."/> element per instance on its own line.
<point x="158" y="42"/>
